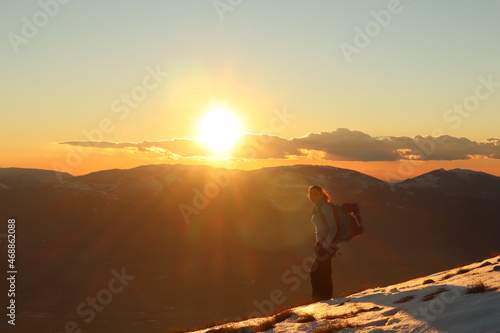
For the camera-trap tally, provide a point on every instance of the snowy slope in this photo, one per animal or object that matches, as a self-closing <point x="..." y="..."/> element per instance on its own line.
<point x="442" y="302"/>
<point x="442" y="177"/>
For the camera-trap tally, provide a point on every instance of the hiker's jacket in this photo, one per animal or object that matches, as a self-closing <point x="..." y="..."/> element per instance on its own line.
<point x="325" y="230"/>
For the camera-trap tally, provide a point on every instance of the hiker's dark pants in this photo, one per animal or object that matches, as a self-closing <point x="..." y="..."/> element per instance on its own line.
<point x="321" y="274"/>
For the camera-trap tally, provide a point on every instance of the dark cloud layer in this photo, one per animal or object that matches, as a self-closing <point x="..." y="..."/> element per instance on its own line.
<point x="339" y="145"/>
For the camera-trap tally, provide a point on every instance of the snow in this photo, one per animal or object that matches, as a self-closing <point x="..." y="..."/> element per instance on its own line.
<point x="426" y="180"/>
<point x="465" y="172"/>
<point x="115" y="190"/>
<point x="432" y="179"/>
<point x="441" y="305"/>
<point x="103" y="190"/>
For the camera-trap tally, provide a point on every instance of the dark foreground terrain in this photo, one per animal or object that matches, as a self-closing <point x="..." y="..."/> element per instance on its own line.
<point x="156" y="247"/>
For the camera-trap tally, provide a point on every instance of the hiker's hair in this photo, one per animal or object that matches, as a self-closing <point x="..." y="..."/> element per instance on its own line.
<point x="324" y="193"/>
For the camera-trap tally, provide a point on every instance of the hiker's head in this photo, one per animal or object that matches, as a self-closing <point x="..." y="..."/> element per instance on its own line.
<point x="316" y="193"/>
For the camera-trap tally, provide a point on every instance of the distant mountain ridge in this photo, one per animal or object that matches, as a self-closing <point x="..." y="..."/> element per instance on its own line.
<point x="25" y="177"/>
<point x="456" y="182"/>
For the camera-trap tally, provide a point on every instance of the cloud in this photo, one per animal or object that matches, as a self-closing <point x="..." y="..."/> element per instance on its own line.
<point x="253" y="146"/>
<point x="263" y="146"/>
<point x="178" y="146"/>
<point x="346" y="145"/>
<point x="339" y="145"/>
<point x="450" y="148"/>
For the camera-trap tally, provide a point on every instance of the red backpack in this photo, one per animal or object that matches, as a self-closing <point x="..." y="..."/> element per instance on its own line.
<point x="348" y="219"/>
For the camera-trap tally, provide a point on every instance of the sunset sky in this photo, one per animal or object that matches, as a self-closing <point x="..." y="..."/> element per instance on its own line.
<point x="93" y="85"/>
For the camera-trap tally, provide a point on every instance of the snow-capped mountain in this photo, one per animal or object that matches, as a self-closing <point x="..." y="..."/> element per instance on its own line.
<point x="454" y="182"/>
<point x="461" y="300"/>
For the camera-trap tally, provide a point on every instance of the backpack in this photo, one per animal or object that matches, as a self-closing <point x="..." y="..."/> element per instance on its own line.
<point x="348" y="219"/>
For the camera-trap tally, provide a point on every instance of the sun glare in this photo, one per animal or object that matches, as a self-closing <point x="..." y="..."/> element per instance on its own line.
<point x="220" y="129"/>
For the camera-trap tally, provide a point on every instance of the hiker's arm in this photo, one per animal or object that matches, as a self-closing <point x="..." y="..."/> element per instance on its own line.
<point x="327" y="211"/>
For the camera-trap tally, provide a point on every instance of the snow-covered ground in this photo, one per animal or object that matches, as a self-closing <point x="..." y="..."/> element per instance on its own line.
<point x="451" y="301"/>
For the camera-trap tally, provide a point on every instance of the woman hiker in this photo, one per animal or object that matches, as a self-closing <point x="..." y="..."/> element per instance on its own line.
<point x="326" y="229"/>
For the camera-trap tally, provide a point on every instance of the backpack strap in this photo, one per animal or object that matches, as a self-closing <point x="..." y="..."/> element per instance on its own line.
<point x="336" y="218"/>
<point x="319" y="209"/>
<point x="335" y="212"/>
<point x="321" y="212"/>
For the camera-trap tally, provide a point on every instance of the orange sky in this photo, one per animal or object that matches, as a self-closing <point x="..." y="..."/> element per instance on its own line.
<point x="66" y="159"/>
<point x="169" y="61"/>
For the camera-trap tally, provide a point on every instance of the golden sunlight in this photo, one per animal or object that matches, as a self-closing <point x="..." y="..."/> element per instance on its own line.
<point x="220" y="129"/>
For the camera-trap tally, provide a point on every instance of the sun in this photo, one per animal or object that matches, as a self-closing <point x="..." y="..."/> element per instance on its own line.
<point x="220" y="129"/>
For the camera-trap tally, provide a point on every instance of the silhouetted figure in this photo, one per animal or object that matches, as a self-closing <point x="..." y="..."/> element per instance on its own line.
<point x="325" y="248"/>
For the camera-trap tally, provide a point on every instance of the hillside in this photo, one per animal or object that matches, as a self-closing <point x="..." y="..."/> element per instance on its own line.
<point x="22" y="178"/>
<point x="462" y="300"/>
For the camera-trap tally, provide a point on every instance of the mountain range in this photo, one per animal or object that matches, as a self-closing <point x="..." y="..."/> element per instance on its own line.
<point x="206" y="243"/>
